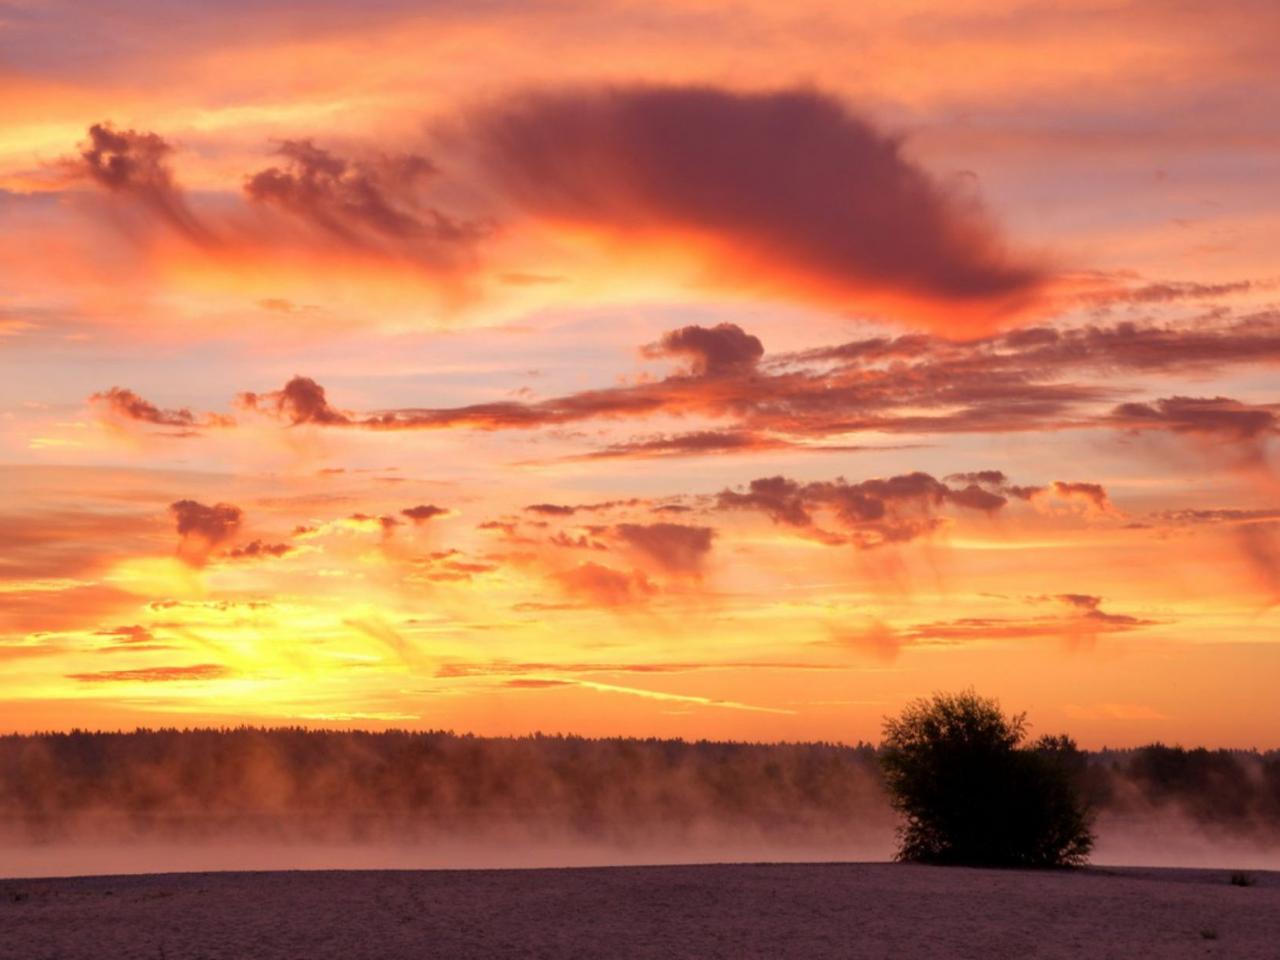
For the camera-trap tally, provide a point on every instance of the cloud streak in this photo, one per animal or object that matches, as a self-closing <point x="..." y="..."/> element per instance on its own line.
<point x="1032" y="379"/>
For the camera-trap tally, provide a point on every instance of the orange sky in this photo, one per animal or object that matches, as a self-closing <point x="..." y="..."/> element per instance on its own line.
<point x="653" y="371"/>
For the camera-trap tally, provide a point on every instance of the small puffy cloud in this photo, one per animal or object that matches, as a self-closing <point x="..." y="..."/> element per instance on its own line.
<point x="710" y="351"/>
<point x="202" y="527"/>
<point x="423" y="513"/>
<point x="301" y="400"/>
<point x="674" y="547"/>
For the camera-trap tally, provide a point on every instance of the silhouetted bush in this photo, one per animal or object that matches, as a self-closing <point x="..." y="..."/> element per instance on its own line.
<point x="973" y="793"/>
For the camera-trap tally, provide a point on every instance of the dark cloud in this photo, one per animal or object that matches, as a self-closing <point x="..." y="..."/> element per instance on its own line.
<point x="710" y="351"/>
<point x="301" y="400"/>
<point x="135" y="164"/>
<point x="260" y="550"/>
<point x="788" y="188"/>
<point x="781" y="499"/>
<point x="1092" y="494"/>
<point x="128" y="405"/>
<point x="991" y="489"/>
<point x="123" y="404"/>
<point x="1205" y="416"/>
<point x="975" y="497"/>
<point x="369" y="202"/>
<point x="424" y="512"/>
<point x="552" y="509"/>
<point x="580" y="542"/>
<point x="1081" y="601"/>
<point x="1007" y="383"/>
<point x="313" y="198"/>
<point x="986" y="478"/>
<point x="202" y="527"/>
<point x="674" y="547"/>
<point x="868" y="514"/>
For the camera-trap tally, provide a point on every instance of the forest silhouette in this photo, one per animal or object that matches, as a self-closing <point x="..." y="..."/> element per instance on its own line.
<point x="350" y="785"/>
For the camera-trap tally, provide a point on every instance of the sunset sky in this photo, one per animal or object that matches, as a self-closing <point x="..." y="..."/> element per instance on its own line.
<point x="679" y="368"/>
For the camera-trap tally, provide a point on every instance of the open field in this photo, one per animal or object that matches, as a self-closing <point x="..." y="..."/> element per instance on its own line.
<point x="863" y="910"/>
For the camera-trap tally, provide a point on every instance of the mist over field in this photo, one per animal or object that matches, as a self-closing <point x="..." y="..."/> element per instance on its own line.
<point x="248" y="798"/>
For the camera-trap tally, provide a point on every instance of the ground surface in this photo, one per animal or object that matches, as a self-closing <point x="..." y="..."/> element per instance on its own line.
<point x="730" y="911"/>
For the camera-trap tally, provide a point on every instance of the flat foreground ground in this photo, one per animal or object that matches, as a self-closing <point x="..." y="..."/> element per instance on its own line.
<point x="730" y="911"/>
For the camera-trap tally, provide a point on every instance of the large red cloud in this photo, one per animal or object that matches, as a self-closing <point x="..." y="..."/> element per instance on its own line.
<point x="789" y="189"/>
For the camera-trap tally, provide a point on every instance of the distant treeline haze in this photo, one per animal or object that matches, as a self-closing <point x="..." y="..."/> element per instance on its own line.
<point x="307" y="785"/>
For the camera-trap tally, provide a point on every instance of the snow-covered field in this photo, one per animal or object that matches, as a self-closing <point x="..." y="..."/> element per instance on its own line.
<point x="861" y="910"/>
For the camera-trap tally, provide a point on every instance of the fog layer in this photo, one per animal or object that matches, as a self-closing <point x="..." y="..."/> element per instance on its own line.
<point x="155" y="801"/>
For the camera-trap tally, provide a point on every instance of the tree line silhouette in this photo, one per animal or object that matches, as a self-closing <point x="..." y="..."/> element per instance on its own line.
<point x="361" y="785"/>
<point x="352" y="785"/>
